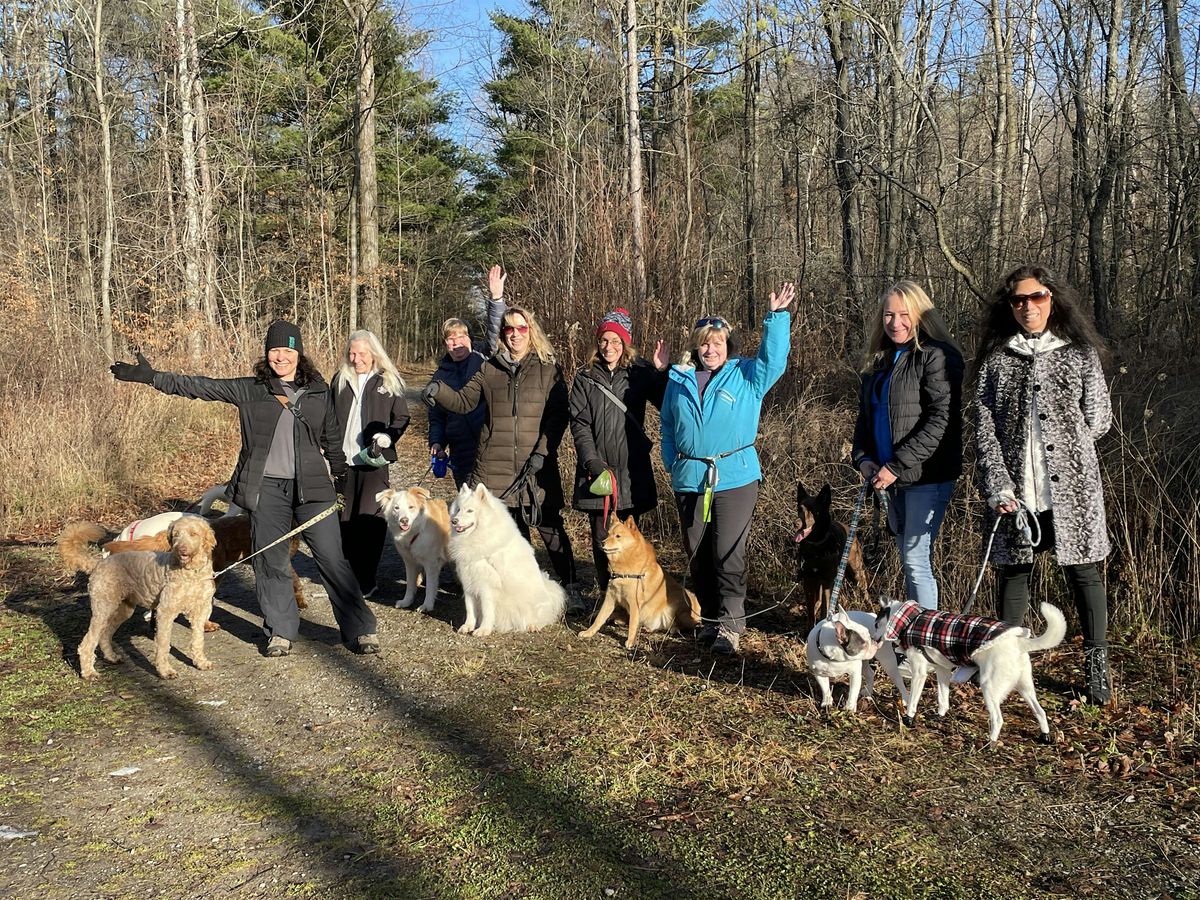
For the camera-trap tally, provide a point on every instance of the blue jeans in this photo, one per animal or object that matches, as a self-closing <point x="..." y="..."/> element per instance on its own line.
<point x="915" y="515"/>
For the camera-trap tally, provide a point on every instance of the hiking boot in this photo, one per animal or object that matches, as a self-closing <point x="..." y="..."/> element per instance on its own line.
<point x="706" y="635"/>
<point x="576" y="604"/>
<point x="726" y="643"/>
<point x="367" y="644"/>
<point x="1098" y="688"/>
<point x="278" y="646"/>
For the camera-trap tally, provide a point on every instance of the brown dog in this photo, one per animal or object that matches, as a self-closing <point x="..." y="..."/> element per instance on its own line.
<point x="653" y="599"/>
<point x="819" y="544"/>
<point x="170" y="582"/>
<point x="233" y="545"/>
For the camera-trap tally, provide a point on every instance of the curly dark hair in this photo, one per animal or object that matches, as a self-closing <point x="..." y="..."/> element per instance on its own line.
<point x="306" y="372"/>
<point x="1068" y="317"/>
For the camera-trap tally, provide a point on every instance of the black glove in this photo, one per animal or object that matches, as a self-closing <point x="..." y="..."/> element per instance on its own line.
<point x="536" y="461"/>
<point x="143" y="372"/>
<point x="339" y="484"/>
<point x="428" y="393"/>
<point x="595" y="467"/>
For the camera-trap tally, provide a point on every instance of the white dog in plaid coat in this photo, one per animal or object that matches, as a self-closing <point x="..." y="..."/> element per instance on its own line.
<point x="943" y="641"/>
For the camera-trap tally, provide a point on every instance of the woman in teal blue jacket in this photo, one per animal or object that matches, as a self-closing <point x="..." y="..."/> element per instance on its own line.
<point x="709" y="423"/>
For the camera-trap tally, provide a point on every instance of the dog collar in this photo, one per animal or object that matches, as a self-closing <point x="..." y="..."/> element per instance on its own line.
<point x="626" y="575"/>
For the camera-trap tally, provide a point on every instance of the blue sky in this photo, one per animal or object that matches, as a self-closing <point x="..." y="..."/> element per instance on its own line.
<point x="462" y="52"/>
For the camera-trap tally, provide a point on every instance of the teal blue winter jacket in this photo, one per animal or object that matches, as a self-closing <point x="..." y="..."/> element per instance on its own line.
<point x="728" y="417"/>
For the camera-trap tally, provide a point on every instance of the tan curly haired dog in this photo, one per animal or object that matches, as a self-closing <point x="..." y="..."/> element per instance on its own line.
<point x="179" y="580"/>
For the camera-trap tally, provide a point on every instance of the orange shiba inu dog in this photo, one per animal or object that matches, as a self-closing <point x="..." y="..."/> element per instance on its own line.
<point x="653" y="600"/>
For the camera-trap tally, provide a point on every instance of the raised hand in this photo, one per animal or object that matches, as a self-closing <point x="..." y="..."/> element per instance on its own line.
<point x="662" y="355"/>
<point x="787" y="293"/>
<point x="495" y="279"/>
<point x="142" y="372"/>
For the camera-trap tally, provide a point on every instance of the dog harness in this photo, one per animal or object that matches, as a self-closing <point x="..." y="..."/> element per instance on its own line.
<point x="957" y="637"/>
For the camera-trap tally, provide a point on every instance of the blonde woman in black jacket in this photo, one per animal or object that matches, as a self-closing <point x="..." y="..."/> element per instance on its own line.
<point x="908" y="437"/>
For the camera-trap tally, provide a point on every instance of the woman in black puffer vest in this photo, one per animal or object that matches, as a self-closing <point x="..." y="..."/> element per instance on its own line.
<point x="614" y="439"/>
<point x="908" y="437"/>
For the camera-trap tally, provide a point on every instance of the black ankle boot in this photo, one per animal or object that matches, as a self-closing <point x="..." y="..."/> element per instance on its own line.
<point x="1095" y="672"/>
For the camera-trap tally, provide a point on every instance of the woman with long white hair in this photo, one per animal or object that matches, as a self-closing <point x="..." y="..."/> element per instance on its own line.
<point x="369" y="399"/>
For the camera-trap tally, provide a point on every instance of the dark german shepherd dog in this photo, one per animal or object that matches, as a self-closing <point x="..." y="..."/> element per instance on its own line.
<point x="819" y="544"/>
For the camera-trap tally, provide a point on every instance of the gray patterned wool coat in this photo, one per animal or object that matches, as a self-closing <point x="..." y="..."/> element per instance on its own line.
<point x="1074" y="410"/>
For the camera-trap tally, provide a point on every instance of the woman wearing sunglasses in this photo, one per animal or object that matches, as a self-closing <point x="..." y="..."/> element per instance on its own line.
<point x="517" y="457"/>
<point x="709" y="422"/>
<point x="1041" y="404"/>
<point x="908" y="437"/>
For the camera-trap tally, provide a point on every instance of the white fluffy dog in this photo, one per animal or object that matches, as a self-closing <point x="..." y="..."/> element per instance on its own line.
<point x="943" y="641"/>
<point x="503" y="588"/>
<point x="420" y="528"/>
<point x="841" y="646"/>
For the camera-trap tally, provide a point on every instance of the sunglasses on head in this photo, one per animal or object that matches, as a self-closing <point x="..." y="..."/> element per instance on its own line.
<point x="519" y="329"/>
<point x="712" y="322"/>
<point x="1036" y="297"/>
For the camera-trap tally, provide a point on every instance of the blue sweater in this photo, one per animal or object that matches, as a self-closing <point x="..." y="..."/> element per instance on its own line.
<point x="727" y="418"/>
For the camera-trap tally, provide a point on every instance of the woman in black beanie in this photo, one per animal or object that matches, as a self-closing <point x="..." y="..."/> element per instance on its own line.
<point x="291" y="465"/>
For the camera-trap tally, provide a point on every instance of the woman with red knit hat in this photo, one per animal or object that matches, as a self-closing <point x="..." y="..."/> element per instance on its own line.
<point x="608" y="408"/>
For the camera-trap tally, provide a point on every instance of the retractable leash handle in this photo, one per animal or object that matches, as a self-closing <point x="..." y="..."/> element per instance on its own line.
<point x="1027" y="523"/>
<point x="845" y="560"/>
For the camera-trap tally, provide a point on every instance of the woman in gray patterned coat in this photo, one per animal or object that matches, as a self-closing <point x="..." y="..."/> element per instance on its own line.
<point x="1041" y="404"/>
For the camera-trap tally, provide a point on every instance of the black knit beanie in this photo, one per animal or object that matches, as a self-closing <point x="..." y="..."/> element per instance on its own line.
<point x="284" y="334"/>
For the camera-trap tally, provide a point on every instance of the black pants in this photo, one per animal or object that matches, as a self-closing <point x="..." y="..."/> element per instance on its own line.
<point x="718" y="551"/>
<point x="363" y="538"/>
<point x="1085" y="581"/>
<point x="558" y="544"/>
<point x="599" y="526"/>
<point x="277" y="506"/>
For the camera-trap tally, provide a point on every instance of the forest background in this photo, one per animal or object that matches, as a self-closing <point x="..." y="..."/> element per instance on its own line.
<point x="177" y="174"/>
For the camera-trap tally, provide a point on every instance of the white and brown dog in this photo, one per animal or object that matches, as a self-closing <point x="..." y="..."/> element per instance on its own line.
<point x="420" y="528"/>
<point x="841" y="647"/>
<point x="944" y="641"/>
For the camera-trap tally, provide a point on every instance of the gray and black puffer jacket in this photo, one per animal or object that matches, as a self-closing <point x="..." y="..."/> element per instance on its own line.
<point x="526" y="414"/>
<point x="607" y="438"/>
<point x="319" y="456"/>
<point x="1074" y="410"/>
<point x="924" y="411"/>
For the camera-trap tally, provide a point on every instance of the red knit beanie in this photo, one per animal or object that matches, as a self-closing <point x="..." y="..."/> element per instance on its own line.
<point x="619" y="323"/>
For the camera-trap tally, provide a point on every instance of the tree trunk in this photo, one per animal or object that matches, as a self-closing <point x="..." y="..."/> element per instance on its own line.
<point x="106" y="171"/>
<point x="839" y="28"/>
<point x="633" y="129"/>
<point x="192" y="297"/>
<point x="367" y="175"/>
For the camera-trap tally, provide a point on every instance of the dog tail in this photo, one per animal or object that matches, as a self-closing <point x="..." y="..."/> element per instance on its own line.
<point x="1056" y="630"/>
<point x="74" y="546"/>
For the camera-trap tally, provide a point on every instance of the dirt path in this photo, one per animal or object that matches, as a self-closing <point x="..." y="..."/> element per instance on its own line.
<point x="541" y="766"/>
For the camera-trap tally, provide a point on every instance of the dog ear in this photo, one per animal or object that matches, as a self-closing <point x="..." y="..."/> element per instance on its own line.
<point x="840" y="630"/>
<point x="420" y="492"/>
<point x="801" y="493"/>
<point x="631" y="525"/>
<point x="480" y="490"/>
<point x="383" y="497"/>
<point x="826" y="496"/>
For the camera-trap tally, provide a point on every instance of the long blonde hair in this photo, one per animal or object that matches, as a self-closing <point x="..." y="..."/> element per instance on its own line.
<point x="926" y="322"/>
<point x="392" y="382"/>
<point x="538" y="341"/>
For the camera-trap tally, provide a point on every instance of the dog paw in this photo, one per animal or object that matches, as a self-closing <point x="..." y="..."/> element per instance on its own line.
<point x="404" y="603"/>
<point x="210" y="626"/>
<point x="482" y="632"/>
<point x="587" y="635"/>
<point x="427" y="607"/>
<point x="630" y="645"/>
<point x="910" y="721"/>
<point x="167" y="674"/>
<point x="1045" y="738"/>
<point x="204" y="664"/>
<point x="91" y="675"/>
<point x="464" y="629"/>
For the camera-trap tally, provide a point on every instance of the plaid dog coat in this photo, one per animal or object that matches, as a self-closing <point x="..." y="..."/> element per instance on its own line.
<point x="956" y="637"/>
